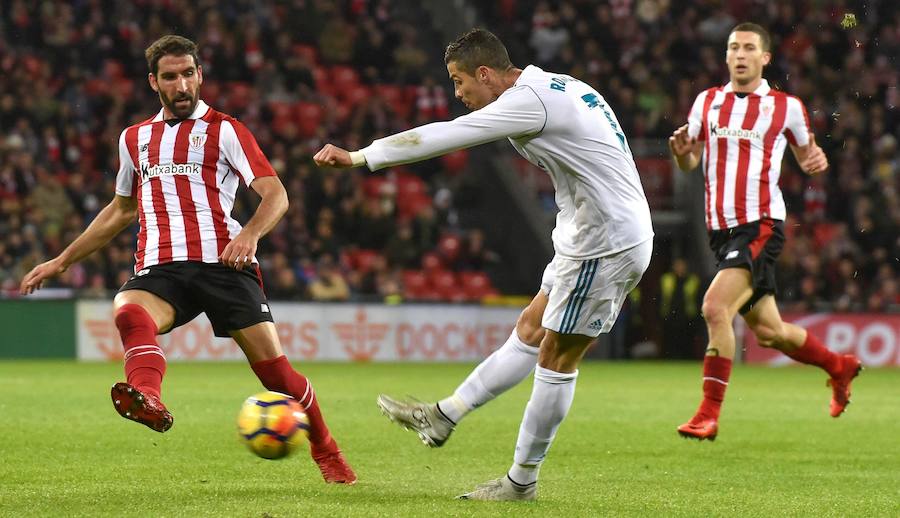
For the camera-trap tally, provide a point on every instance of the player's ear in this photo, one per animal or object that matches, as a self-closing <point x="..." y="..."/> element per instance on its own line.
<point x="199" y="75"/>
<point x="152" y="79"/>
<point x="766" y="58"/>
<point x="482" y="74"/>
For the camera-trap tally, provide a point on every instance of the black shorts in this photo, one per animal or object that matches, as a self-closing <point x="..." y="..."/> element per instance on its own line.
<point x="754" y="246"/>
<point x="230" y="298"/>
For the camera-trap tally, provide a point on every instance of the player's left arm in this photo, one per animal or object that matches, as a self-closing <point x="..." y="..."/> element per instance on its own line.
<point x="245" y="157"/>
<point x="518" y="112"/>
<point x="799" y="134"/>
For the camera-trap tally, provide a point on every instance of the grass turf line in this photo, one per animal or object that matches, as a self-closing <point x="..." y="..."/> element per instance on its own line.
<point x="65" y="451"/>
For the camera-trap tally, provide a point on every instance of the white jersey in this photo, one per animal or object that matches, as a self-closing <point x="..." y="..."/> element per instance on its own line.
<point x="565" y="127"/>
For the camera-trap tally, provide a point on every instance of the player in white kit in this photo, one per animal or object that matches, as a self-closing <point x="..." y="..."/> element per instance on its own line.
<point x="603" y="239"/>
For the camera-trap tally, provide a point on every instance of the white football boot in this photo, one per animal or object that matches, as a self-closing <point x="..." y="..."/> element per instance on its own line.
<point x="423" y="418"/>
<point x="502" y="489"/>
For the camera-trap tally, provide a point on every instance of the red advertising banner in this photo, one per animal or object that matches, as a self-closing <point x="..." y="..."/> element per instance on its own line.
<point x="873" y="338"/>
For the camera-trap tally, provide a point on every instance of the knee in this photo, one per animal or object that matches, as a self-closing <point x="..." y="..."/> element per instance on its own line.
<point x="716" y="313"/>
<point x="132" y="317"/>
<point x="529" y="329"/>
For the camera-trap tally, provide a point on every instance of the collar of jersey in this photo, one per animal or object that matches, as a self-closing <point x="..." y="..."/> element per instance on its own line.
<point x="761" y="90"/>
<point x="199" y="111"/>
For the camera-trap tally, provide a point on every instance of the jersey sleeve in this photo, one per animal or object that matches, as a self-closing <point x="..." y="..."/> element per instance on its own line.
<point x="518" y="112"/>
<point x="796" y="124"/>
<point x="126" y="183"/>
<point x="242" y="152"/>
<point x="695" y="118"/>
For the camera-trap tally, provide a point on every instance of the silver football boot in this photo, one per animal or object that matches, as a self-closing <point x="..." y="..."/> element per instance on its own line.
<point x="423" y="418"/>
<point x="502" y="489"/>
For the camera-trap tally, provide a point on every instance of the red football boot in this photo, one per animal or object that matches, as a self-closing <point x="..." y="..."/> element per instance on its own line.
<point x="699" y="428"/>
<point x="840" y="384"/>
<point x="146" y="409"/>
<point x="333" y="466"/>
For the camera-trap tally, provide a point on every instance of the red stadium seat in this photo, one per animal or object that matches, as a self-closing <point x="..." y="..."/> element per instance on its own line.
<point x="431" y="262"/>
<point x="309" y="116"/>
<point x="444" y="281"/>
<point x="363" y="259"/>
<point x="415" y="284"/>
<point x="456" y="161"/>
<point x="239" y="95"/>
<point x="476" y="284"/>
<point x="343" y="77"/>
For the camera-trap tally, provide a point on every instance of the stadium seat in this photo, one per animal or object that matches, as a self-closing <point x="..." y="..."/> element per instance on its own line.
<point x="456" y="161"/>
<point x="415" y="284"/>
<point x="309" y="116"/>
<point x="444" y="281"/>
<point x="240" y="94"/>
<point x="475" y="284"/>
<point x="431" y="262"/>
<point x="362" y="259"/>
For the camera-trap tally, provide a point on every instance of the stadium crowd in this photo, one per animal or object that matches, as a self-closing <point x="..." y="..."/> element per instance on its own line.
<point x="301" y="73"/>
<point x="72" y="76"/>
<point x="650" y="58"/>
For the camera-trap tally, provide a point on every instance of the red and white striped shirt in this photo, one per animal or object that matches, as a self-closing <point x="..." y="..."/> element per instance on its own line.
<point x="744" y="142"/>
<point x="185" y="176"/>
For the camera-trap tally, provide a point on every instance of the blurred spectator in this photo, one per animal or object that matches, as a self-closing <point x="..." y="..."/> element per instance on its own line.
<point x="329" y="285"/>
<point x="680" y="294"/>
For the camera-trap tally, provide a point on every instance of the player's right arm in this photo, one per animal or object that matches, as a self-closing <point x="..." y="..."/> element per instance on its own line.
<point x="113" y="219"/>
<point x="518" y="112"/>
<point x="686" y="144"/>
<point x="685" y="149"/>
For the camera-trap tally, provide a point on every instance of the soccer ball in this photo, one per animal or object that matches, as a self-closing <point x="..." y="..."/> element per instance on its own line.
<point x="272" y="424"/>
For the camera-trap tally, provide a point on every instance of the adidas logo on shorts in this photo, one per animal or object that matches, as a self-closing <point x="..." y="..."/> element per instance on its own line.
<point x="732" y="254"/>
<point x="596" y="324"/>
<point x="264" y="308"/>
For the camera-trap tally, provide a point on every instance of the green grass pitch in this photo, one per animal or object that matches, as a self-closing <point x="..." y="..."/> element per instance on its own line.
<point x="65" y="452"/>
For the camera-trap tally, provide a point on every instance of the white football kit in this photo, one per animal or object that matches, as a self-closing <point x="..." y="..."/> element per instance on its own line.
<point x="603" y="234"/>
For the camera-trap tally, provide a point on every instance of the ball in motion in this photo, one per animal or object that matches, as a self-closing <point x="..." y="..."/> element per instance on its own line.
<point x="272" y="424"/>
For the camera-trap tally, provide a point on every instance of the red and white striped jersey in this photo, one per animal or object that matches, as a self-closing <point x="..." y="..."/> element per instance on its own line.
<point x="185" y="175"/>
<point x="744" y="141"/>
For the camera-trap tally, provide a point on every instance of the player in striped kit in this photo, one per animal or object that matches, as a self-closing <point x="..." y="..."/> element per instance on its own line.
<point x="603" y="239"/>
<point x="741" y="131"/>
<point x="178" y="174"/>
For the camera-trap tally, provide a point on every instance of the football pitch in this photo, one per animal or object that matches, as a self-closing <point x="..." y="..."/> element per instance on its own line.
<point x="65" y="451"/>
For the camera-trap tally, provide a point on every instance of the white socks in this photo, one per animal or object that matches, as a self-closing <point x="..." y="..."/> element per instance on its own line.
<point x="550" y="401"/>
<point x="499" y="372"/>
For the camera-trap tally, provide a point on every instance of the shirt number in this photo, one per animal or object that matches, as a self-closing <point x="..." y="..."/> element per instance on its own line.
<point x="592" y="102"/>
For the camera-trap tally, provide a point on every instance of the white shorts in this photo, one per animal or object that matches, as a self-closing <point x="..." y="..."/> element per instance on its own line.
<point x="586" y="296"/>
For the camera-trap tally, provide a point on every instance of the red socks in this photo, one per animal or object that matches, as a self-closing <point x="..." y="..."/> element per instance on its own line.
<point x="716" y="371"/>
<point x="814" y="352"/>
<point x="145" y="363"/>
<point x="278" y="375"/>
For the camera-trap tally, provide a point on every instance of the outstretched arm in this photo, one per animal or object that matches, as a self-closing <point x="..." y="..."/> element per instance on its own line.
<point x="518" y="112"/>
<point x="113" y="219"/>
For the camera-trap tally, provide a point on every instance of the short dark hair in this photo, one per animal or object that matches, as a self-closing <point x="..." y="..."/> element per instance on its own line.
<point x="170" y="45"/>
<point x="764" y="37"/>
<point x="476" y="48"/>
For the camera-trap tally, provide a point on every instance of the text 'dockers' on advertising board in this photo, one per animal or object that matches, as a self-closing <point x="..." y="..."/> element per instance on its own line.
<point x="332" y="332"/>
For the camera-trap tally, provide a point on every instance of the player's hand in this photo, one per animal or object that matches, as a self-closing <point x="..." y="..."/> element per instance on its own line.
<point x="34" y="280"/>
<point x="240" y="251"/>
<point x="333" y="156"/>
<point x="815" y="162"/>
<point x="680" y="143"/>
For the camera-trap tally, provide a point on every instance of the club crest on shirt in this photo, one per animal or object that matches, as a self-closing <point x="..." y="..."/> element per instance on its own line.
<point x="197" y="140"/>
<point x="766" y="106"/>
